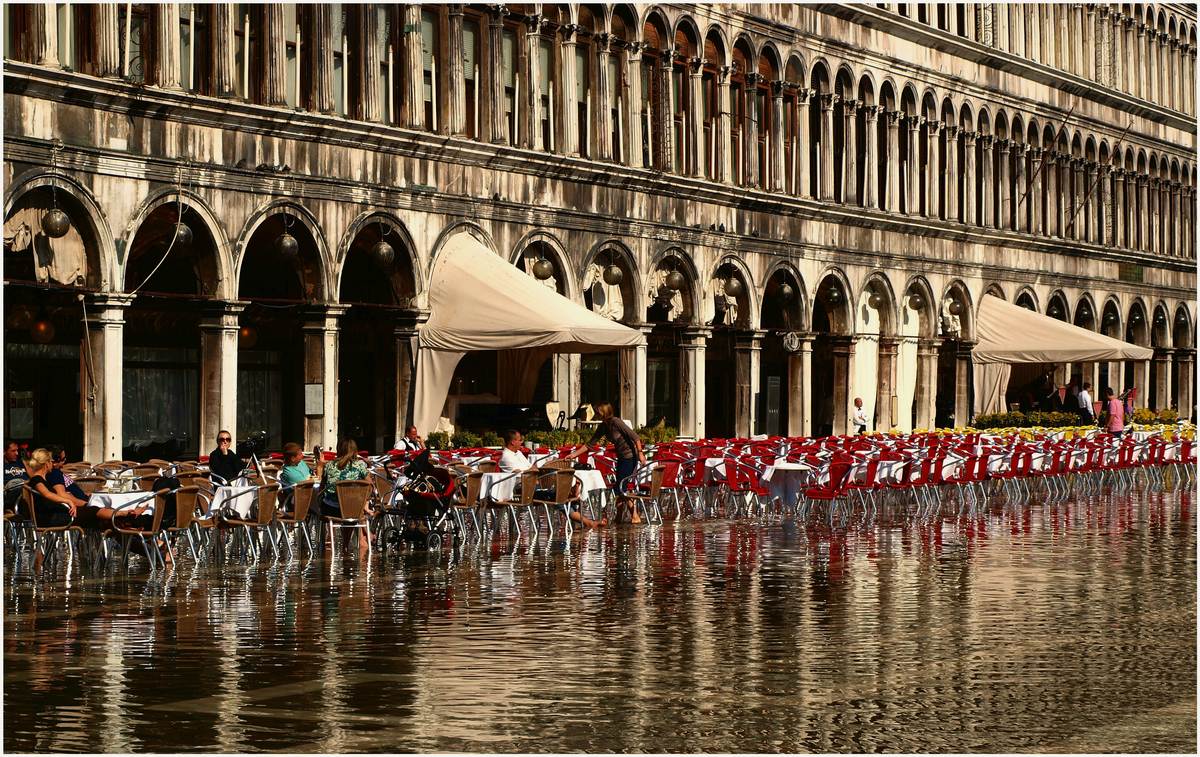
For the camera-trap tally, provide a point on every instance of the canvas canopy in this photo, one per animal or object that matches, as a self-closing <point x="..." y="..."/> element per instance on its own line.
<point x="479" y="301"/>
<point x="1011" y="334"/>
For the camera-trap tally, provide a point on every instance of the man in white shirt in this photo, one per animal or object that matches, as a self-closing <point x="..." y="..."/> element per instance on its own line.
<point x="860" y="417"/>
<point x="411" y="442"/>
<point x="1085" y="405"/>
<point x="512" y="460"/>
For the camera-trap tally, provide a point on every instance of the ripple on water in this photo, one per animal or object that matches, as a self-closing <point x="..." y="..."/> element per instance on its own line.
<point x="1048" y="628"/>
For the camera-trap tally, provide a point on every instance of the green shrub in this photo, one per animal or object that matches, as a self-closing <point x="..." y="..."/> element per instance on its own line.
<point x="1025" y="420"/>
<point x="465" y="439"/>
<point x="438" y="440"/>
<point x="490" y="439"/>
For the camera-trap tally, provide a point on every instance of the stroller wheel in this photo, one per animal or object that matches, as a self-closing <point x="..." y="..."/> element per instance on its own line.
<point x="392" y="537"/>
<point x="434" y="542"/>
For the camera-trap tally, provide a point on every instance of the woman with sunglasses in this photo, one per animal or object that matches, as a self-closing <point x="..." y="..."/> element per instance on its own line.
<point x="223" y="462"/>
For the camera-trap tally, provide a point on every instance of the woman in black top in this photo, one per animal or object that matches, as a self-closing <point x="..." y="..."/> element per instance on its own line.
<point x="51" y="509"/>
<point x="223" y="461"/>
<point x="627" y="447"/>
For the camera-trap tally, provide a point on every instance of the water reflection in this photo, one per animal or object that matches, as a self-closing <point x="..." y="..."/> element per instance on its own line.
<point x="1052" y="627"/>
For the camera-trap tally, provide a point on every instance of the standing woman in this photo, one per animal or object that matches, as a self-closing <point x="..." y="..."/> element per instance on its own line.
<point x="627" y="447"/>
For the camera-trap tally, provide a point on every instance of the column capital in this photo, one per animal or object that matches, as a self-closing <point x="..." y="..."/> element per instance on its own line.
<point x="893" y="117"/>
<point x="749" y="340"/>
<point x="889" y="344"/>
<point x="969" y="137"/>
<point x="828" y="100"/>
<point x="1104" y="11"/>
<point x="932" y="127"/>
<point x="951" y="131"/>
<point x="1002" y="144"/>
<point x="851" y="105"/>
<point x="1062" y="158"/>
<point x="222" y="314"/>
<point x="108" y="300"/>
<point x="695" y="336"/>
<point x="912" y="122"/>
<point x="322" y="316"/>
<point x="1020" y="148"/>
<point x="985" y="141"/>
<point x="928" y="346"/>
<point x="753" y="78"/>
<point x="454" y="9"/>
<point x="777" y="88"/>
<point x="696" y="65"/>
<point x="802" y="95"/>
<point x="871" y="112"/>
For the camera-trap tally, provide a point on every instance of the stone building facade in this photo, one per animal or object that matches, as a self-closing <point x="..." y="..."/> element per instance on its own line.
<point x="805" y="203"/>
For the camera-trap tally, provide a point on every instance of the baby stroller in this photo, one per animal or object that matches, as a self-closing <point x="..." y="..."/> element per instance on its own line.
<point x="428" y="503"/>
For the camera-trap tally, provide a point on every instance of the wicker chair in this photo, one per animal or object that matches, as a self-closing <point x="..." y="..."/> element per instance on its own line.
<point x="47" y="536"/>
<point x="352" y="500"/>
<point x="128" y="532"/>
<point x="302" y="497"/>
<point x="268" y="495"/>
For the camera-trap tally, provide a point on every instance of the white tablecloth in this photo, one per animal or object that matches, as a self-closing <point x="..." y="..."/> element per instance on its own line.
<point x="498" y="486"/>
<point x="117" y="499"/>
<point x="237" y="497"/>
<point x="890" y="471"/>
<point x="591" y="481"/>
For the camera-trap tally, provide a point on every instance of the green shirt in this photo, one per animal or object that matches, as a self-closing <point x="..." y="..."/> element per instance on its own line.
<point x="355" y="471"/>
<point x="290" y="475"/>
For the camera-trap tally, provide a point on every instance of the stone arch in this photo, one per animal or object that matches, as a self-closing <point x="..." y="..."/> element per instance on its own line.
<point x="844" y="82"/>
<point x="1027" y="298"/>
<point x="1184" y="333"/>
<point x="197" y="206"/>
<point x="819" y="79"/>
<point x="996" y="290"/>
<point x="101" y="264"/>
<point x="879" y="283"/>
<point x="623" y="23"/>
<point x="1112" y="321"/>
<point x="956" y="289"/>
<point x="1137" y="328"/>
<point x="716" y="45"/>
<point x="1086" y="315"/>
<point x="796" y="318"/>
<point x="966" y="119"/>
<point x="403" y="287"/>
<point x="674" y="257"/>
<point x="909" y="99"/>
<point x="308" y="222"/>
<point x="927" y="326"/>
<point x="632" y="292"/>
<point x="866" y="88"/>
<point x="1160" y="326"/>
<point x="1057" y="303"/>
<point x="887" y="94"/>
<point x="795" y="69"/>
<point x="748" y="302"/>
<point x="769" y="54"/>
<point x="687" y="29"/>
<point x="568" y="286"/>
<point x="839" y="310"/>
<point x="654" y="28"/>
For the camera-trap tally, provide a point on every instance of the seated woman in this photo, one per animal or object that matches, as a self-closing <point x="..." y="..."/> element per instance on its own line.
<point x="52" y="510"/>
<point x="92" y="518"/>
<point x="294" y="471"/>
<point x="348" y="466"/>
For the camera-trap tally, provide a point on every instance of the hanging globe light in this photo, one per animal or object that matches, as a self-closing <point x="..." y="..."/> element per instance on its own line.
<point x="674" y="281"/>
<point x="247" y="337"/>
<point x="734" y="287"/>
<point x="786" y="292"/>
<point x="1159" y="318"/>
<point x="833" y="294"/>
<point x="955" y="307"/>
<point x="42" y="331"/>
<point x="55" y="223"/>
<point x="183" y="234"/>
<point x="287" y="246"/>
<point x="915" y="301"/>
<point x="875" y="300"/>
<point x="1055" y="311"/>
<point x="543" y="269"/>
<point x="613" y="275"/>
<point x="383" y="253"/>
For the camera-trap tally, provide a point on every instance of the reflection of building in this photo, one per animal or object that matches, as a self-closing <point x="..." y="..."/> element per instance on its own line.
<point x="850" y="173"/>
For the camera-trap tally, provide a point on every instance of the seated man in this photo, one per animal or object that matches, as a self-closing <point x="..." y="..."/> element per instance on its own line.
<point x="512" y="460"/>
<point x="412" y="441"/>
<point x="14" y="470"/>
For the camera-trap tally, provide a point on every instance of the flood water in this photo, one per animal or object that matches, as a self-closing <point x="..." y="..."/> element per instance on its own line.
<point x="1061" y="628"/>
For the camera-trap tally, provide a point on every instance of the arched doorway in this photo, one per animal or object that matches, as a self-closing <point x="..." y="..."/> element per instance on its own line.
<point x="955" y="394"/>
<point x="731" y="374"/>
<point x="675" y="359"/>
<point x="172" y="266"/>
<point x="1159" y="387"/>
<point x="282" y="382"/>
<point x="1137" y="373"/>
<point x="374" y="355"/>
<point x="782" y="365"/>
<point x="53" y="392"/>
<point x="1184" y="365"/>
<point x="1089" y="373"/>
<point x="874" y="379"/>
<point x="917" y="356"/>
<point x="610" y="290"/>
<point x="1111" y="373"/>
<point x="832" y="348"/>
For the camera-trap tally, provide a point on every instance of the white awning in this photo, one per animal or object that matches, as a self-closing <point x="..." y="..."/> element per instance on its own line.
<point x="479" y="301"/>
<point x="1011" y="334"/>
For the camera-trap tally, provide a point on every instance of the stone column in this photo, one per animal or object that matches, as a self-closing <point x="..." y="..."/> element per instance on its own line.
<point x="497" y="122"/>
<point x="635" y="382"/>
<point x="1143" y="76"/>
<point x="319" y="39"/>
<point x="849" y="149"/>
<point x="912" y="197"/>
<point x="1062" y="194"/>
<point x="1164" y="71"/>
<point x="458" y="77"/>
<point x="1079" y="200"/>
<point x="886" y="387"/>
<point x="933" y="204"/>
<point x="986" y="196"/>
<point x="166" y="28"/>
<point x="1187" y="366"/>
<point x="106" y="17"/>
<point x="1173" y="224"/>
<point x="602" y="103"/>
<point x="633" y="103"/>
<point x="691" y="381"/>
<point x="42" y="34"/>
<point x="750" y="143"/>
<point x="1089" y="40"/>
<point x="1107" y="204"/>
<point x="320" y="330"/>
<point x="218" y="371"/>
<point x="1143" y="213"/>
<point x="825" y="187"/>
<point x="1020" y="187"/>
<point x="1116" y="47"/>
<point x="747" y="357"/>
<point x="274" y="55"/>
<point x="962" y="383"/>
<point x="968" y="203"/>
<point x="695" y="125"/>
<point x="776" y="157"/>
<point x="843" y="348"/>
<point x="1162" y="378"/>
<point x="532" y="87"/>
<point x="926" y="389"/>
<point x="1090" y="199"/>
<point x="102" y="385"/>
<point x="406" y="368"/>
<point x="664" y="138"/>
<point x="567" y="108"/>
<point x="1152" y="196"/>
<point x="802" y="143"/>
<point x="892" y="200"/>
<point x="724" y="126"/>
<point x="1004" y="201"/>
<point x="984" y="24"/>
<point x="950" y="174"/>
<point x="1117" y="208"/>
<point x="799" y="396"/>
<point x="414" y="75"/>
<point x="1035" y="197"/>
<point x="1141" y="379"/>
<point x="871" y="169"/>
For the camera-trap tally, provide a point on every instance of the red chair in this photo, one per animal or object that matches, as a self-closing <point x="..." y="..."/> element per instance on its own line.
<point x="833" y="490"/>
